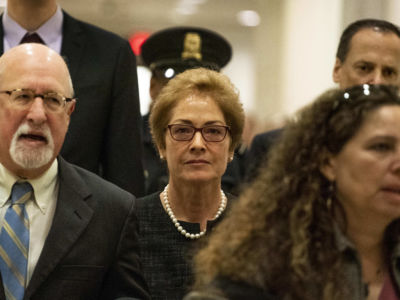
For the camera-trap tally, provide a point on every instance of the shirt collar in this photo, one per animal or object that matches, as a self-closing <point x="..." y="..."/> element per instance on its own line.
<point x="43" y="186"/>
<point x="13" y="32"/>
<point x="7" y="179"/>
<point x="50" y="31"/>
<point x="342" y="241"/>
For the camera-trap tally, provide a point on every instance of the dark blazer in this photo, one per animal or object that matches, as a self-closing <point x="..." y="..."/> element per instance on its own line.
<point x="259" y="149"/>
<point x="104" y="135"/>
<point x="91" y="251"/>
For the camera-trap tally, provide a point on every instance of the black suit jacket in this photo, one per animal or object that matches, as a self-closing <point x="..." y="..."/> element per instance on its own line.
<point x="104" y="135"/>
<point x="259" y="149"/>
<point x="91" y="251"/>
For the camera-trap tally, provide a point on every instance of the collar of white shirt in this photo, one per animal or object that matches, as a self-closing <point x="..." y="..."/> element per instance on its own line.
<point x="50" y="32"/>
<point x="43" y="186"/>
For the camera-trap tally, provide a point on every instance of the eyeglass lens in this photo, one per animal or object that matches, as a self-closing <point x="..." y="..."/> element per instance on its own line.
<point x="214" y="133"/>
<point x="22" y="98"/>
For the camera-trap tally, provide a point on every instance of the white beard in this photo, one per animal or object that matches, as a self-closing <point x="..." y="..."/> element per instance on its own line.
<point x="31" y="158"/>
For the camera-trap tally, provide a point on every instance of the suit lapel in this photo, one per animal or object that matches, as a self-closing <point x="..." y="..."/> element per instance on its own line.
<point x="2" y="294"/>
<point x="71" y="217"/>
<point x="73" y="43"/>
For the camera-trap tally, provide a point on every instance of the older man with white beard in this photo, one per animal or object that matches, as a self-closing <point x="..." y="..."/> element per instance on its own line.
<point x="65" y="232"/>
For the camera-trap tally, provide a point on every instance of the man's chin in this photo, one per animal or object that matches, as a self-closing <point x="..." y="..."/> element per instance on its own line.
<point x="31" y="157"/>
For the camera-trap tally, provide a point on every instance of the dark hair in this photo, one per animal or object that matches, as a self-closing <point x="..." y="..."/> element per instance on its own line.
<point x="280" y="235"/>
<point x="353" y="28"/>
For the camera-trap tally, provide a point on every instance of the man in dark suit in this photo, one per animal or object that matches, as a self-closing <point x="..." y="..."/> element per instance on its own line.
<point x="167" y="53"/>
<point x="368" y="52"/>
<point x="105" y="131"/>
<point x="82" y="235"/>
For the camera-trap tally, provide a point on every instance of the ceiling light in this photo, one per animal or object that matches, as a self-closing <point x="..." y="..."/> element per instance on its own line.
<point x="248" y="18"/>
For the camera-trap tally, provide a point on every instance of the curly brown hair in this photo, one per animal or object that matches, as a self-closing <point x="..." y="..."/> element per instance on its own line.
<point x="279" y="236"/>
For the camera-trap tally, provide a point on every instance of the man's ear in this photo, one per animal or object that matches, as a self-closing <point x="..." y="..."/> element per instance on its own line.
<point x="336" y="74"/>
<point x="71" y="107"/>
<point x="153" y="88"/>
<point x="156" y="85"/>
<point x="328" y="166"/>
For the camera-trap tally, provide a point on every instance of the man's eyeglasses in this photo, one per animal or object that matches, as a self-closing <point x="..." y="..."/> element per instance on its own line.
<point x="212" y="133"/>
<point x="23" y="98"/>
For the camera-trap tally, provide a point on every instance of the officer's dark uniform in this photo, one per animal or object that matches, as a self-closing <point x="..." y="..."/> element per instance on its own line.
<point x="167" y="53"/>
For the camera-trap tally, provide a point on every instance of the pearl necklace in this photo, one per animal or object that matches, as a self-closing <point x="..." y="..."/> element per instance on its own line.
<point x="179" y="226"/>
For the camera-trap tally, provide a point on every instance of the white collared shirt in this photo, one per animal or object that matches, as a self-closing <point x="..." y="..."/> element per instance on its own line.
<point x="50" y="32"/>
<point x="40" y="208"/>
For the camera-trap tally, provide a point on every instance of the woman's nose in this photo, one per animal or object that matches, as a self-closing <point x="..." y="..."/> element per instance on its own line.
<point x="198" y="141"/>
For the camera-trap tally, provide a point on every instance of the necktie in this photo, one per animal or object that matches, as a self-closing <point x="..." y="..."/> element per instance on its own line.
<point x="14" y="242"/>
<point x="32" y="38"/>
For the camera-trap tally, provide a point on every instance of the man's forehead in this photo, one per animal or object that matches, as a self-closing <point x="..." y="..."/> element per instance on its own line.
<point x="371" y="38"/>
<point x="33" y="55"/>
<point x="369" y="45"/>
<point x="28" y="67"/>
<point x="38" y="77"/>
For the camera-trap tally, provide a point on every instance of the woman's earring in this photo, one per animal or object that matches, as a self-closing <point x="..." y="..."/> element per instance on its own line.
<point x="331" y="191"/>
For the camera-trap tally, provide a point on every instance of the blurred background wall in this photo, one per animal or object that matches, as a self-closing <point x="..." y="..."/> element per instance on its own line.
<point x="283" y="50"/>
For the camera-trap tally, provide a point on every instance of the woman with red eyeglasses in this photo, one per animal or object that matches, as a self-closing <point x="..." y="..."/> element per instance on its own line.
<point x="196" y="124"/>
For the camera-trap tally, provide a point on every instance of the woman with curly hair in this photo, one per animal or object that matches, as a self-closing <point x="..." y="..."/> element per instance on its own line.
<point x="322" y="221"/>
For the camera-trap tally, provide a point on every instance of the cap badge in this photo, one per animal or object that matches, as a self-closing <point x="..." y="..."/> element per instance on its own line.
<point x="192" y="46"/>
